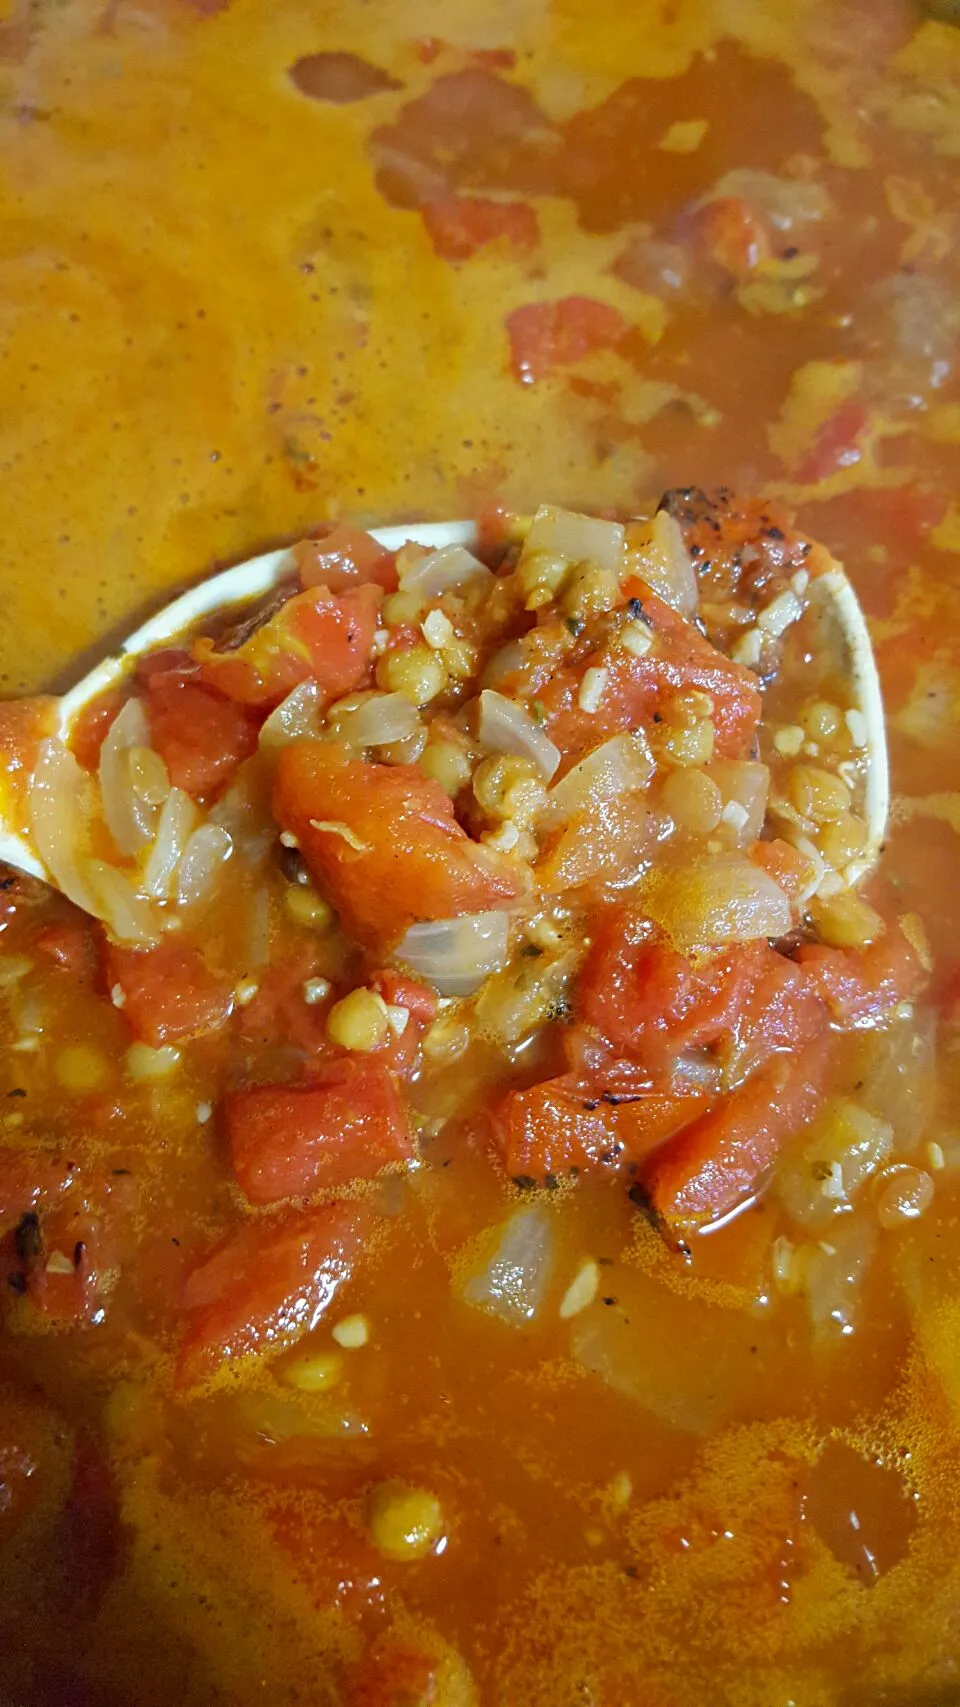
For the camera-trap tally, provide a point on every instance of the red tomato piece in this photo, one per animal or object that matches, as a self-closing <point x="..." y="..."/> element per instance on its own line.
<point x="560" y="1126"/>
<point x="786" y="865"/>
<point x="402" y="1053"/>
<point x="733" y="235"/>
<point x="88" y="731"/>
<point x="268" y="1283"/>
<point x="383" y="843"/>
<point x="278" y="1015"/>
<point x="545" y="336"/>
<point x="169" y="991"/>
<point x="863" y="984"/>
<point x="636" y="688"/>
<point x="720" y="1160"/>
<point x="316" y="635"/>
<point x="290" y="1141"/>
<point x="201" y="737"/>
<point x="28" y="1180"/>
<point x="836" y="444"/>
<point x="653" y="1003"/>
<point x="70" y="944"/>
<point x="345" y="557"/>
<point x="395" y="1674"/>
<point x="460" y="225"/>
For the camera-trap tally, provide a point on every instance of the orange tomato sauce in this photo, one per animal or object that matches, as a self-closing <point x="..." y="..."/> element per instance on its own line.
<point x="264" y="270"/>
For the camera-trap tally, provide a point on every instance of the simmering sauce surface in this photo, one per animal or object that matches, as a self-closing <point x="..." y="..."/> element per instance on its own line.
<point x="264" y="268"/>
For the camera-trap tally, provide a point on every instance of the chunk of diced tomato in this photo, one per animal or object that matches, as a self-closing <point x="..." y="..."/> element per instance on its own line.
<point x="652" y="1003"/>
<point x="345" y="557"/>
<point x="168" y="992"/>
<point x="863" y="984"/>
<point x="89" y="728"/>
<point x="545" y="336"/>
<point x="636" y="689"/>
<point x="788" y="867"/>
<point x="402" y="1050"/>
<point x="293" y="1140"/>
<point x="268" y="1283"/>
<point x="460" y="225"/>
<point x="719" y="1161"/>
<point x="201" y="737"/>
<point x="317" y="635"/>
<point x="561" y="1126"/>
<point x="28" y="1179"/>
<point x="732" y="235"/>
<point x="383" y="843"/>
<point x="69" y="943"/>
<point x="836" y="443"/>
<point x="396" y="1674"/>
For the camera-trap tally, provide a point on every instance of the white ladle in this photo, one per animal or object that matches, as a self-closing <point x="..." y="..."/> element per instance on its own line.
<point x="832" y="594"/>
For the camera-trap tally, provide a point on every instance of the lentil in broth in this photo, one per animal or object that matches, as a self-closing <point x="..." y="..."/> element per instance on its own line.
<point x="271" y="269"/>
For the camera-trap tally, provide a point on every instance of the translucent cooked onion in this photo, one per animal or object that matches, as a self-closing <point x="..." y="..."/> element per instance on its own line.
<point x="380" y="719"/>
<point x="820" y="1179"/>
<point x="450" y="570"/>
<point x="60" y="807"/>
<point x="130" y="819"/>
<point x="127" y="914"/>
<point x="244" y="812"/>
<point x="727" y="899"/>
<point x="205" y="853"/>
<point x="664" y="562"/>
<point x="178" y="816"/>
<point x="785" y="202"/>
<point x="456" y="955"/>
<point x="513" y="1283"/>
<point x="296" y="718"/>
<point x="507" y="727"/>
<point x="580" y="539"/>
<point x="744" y="789"/>
<point x="616" y="767"/>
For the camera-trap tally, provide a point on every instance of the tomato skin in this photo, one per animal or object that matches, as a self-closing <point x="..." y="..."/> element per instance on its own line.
<point x="545" y="336"/>
<point x="460" y="225"/>
<point x="268" y="1283"/>
<point x="718" y="1162"/>
<point x="290" y="1141"/>
<point x="201" y="737"/>
<point x="169" y="991"/>
<point x="636" y="688"/>
<point x="345" y="557"/>
<point x="414" y="861"/>
<point x="561" y="1125"/>
<point x="316" y="635"/>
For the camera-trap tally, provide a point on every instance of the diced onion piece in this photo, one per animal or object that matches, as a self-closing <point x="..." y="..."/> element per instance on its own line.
<point x="178" y="816"/>
<point x="203" y="856"/>
<point x="506" y="662"/>
<point x="378" y="720"/>
<point x="127" y="914"/>
<point x="665" y="564"/>
<point x="580" y="539"/>
<point x="507" y="727"/>
<point x="778" y="616"/>
<point x="744" y="787"/>
<point x="513" y="1283"/>
<point x="244" y="812"/>
<point x="450" y="570"/>
<point x="129" y="818"/>
<point x="149" y="776"/>
<point x="296" y="718"/>
<point x="60" y="808"/>
<point x="456" y="955"/>
<point x="616" y="767"/>
<point x="726" y="899"/>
